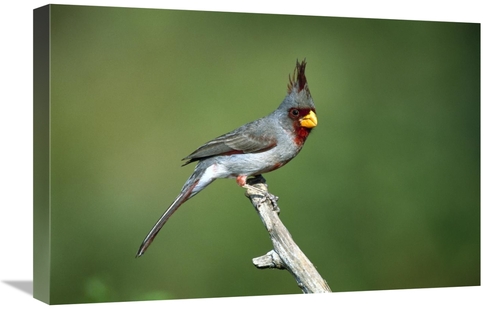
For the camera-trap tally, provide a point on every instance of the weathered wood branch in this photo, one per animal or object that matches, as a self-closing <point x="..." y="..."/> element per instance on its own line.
<point x="286" y="254"/>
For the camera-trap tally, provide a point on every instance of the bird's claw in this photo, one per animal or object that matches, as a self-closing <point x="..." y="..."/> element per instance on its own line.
<point x="265" y="195"/>
<point x="273" y="199"/>
<point x="274" y="202"/>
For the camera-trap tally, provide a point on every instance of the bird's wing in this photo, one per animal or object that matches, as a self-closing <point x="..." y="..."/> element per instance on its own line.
<point x="242" y="140"/>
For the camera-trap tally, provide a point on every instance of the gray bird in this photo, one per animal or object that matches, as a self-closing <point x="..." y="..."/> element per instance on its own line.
<point x="255" y="148"/>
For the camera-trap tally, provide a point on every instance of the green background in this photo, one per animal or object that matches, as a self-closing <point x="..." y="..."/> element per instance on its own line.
<point x="384" y="195"/>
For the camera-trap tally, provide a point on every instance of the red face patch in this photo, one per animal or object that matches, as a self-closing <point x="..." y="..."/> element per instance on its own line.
<point x="301" y="133"/>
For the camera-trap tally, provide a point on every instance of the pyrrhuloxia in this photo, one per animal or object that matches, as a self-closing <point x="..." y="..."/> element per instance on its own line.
<point x="257" y="147"/>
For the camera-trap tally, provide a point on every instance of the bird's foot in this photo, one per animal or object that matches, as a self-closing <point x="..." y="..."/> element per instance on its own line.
<point x="265" y="195"/>
<point x="274" y="202"/>
<point x="270" y="197"/>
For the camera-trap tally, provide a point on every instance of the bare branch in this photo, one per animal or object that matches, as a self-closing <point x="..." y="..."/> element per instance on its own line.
<point x="286" y="254"/>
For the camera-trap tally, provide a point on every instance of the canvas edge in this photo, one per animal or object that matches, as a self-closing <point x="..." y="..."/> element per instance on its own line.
<point x="41" y="153"/>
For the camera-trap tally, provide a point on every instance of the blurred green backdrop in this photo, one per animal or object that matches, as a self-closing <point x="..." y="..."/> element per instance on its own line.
<point x="384" y="195"/>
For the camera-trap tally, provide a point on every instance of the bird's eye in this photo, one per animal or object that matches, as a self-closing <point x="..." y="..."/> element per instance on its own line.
<point x="294" y="112"/>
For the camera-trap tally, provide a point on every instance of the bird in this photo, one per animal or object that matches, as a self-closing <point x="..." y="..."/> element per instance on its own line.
<point x="258" y="147"/>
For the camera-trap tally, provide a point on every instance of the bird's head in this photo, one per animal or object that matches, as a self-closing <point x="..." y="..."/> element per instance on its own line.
<point x="297" y="111"/>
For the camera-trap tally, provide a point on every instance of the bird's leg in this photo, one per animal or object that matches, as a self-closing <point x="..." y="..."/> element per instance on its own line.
<point x="245" y="183"/>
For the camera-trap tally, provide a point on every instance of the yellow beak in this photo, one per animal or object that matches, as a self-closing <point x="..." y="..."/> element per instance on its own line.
<point x="309" y="121"/>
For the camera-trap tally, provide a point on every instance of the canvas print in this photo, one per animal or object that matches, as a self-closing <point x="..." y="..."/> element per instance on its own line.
<point x="290" y="154"/>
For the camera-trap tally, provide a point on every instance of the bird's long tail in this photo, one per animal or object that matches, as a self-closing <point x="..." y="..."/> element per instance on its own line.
<point x="193" y="185"/>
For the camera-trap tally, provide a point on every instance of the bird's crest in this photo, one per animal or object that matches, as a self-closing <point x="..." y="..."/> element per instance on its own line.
<point x="298" y="78"/>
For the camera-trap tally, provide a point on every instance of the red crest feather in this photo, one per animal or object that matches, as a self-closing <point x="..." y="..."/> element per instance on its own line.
<point x="298" y="78"/>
